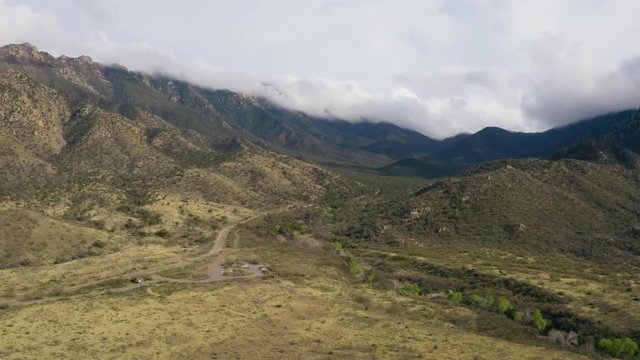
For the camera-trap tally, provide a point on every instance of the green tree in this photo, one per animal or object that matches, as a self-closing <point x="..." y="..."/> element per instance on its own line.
<point x="355" y="268"/>
<point x="502" y="305"/>
<point x="475" y="300"/>
<point x="410" y="289"/>
<point x="455" y="296"/>
<point x="539" y="322"/>
<point x="624" y="347"/>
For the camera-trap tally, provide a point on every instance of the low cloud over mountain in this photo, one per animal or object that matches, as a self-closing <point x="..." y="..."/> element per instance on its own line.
<point x="438" y="67"/>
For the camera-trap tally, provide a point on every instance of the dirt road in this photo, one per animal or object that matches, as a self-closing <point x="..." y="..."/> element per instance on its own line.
<point x="151" y="276"/>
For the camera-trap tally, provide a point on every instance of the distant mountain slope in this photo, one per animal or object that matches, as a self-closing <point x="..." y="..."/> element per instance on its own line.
<point x="224" y="121"/>
<point x="618" y="129"/>
<point x="588" y="208"/>
<point x="68" y="123"/>
<point x="221" y="116"/>
<point x="621" y="129"/>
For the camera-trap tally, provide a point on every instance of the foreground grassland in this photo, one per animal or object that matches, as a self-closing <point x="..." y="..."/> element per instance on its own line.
<point x="605" y="292"/>
<point x="312" y="309"/>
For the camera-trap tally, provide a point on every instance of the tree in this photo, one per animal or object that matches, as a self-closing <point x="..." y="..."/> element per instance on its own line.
<point x="618" y="347"/>
<point x="475" y="300"/>
<point x="539" y="322"/>
<point x="355" y="268"/>
<point x="455" y="296"/>
<point x="502" y="305"/>
<point x="410" y="289"/>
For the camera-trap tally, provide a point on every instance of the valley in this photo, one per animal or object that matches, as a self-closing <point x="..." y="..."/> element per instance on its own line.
<point x="146" y="217"/>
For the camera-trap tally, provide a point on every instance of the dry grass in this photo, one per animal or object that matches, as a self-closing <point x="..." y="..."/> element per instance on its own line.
<point x="38" y="281"/>
<point x="29" y="238"/>
<point x="318" y="318"/>
<point x="312" y="309"/>
<point x="600" y="291"/>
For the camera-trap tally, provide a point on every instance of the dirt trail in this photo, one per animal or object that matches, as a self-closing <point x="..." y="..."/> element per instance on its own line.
<point x="215" y="268"/>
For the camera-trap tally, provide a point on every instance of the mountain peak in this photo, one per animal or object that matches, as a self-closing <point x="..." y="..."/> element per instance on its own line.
<point x="26" y="47"/>
<point x="81" y="60"/>
<point x="25" y="52"/>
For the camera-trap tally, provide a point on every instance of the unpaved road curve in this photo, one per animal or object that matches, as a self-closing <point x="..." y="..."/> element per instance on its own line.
<point x="217" y="246"/>
<point x="215" y="268"/>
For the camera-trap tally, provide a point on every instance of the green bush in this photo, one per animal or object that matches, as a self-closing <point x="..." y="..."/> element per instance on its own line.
<point x="618" y="347"/>
<point x="355" y="268"/>
<point x="474" y="300"/>
<point x="410" y="289"/>
<point x="486" y="303"/>
<point x="539" y="322"/>
<point x="502" y="305"/>
<point x="371" y="278"/>
<point x="149" y="217"/>
<point x="455" y="296"/>
<point x="336" y="245"/>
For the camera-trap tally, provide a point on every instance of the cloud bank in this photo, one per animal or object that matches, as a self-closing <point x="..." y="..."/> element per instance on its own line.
<point x="438" y="67"/>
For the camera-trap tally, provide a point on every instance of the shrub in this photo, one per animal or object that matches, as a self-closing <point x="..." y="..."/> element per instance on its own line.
<point x="410" y="289"/>
<point x="455" y="296"/>
<point x="565" y="338"/>
<point x="99" y="224"/>
<point x="130" y="224"/>
<point x="149" y="217"/>
<point x="371" y="278"/>
<point x="502" y="305"/>
<point x="355" y="268"/>
<point x="163" y="233"/>
<point x="336" y="245"/>
<point x="539" y="322"/>
<point x="474" y="300"/>
<point x="618" y="347"/>
<point x="99" y="244"/>
<point x="481" y="302"/>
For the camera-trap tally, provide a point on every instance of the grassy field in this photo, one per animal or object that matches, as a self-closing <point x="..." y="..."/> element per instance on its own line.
<point x="312" y="309"/>
<point x="604" y="293"/>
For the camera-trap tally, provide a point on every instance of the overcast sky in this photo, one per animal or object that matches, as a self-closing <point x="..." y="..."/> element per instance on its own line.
<point x="439" y="67"/>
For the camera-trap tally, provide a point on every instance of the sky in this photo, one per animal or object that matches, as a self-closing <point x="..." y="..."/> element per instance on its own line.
<point x="439" y="67"/>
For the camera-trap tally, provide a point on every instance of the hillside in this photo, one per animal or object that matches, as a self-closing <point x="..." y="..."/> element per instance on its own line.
<point x="587" y="208"/>
<point x="559" y="235"/>
<point x="88" y="159"/>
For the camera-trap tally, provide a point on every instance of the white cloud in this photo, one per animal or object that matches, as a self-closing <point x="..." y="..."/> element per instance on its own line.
<point x="20" y="24"/>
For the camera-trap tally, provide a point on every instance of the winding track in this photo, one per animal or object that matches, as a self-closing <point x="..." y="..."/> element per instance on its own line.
<point x="214" y="271"/>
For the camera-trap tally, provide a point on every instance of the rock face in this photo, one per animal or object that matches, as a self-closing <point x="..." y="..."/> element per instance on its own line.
<point x="32" y="113"/>
<point x="25" y="54"/>
<point x="81" y="71"/>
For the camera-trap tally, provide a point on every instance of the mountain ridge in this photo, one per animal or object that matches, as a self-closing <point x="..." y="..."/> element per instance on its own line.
<point x="227" y="119"/>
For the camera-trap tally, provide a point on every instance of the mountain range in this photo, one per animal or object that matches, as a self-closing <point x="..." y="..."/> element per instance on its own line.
<point x="226" y="120"/>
